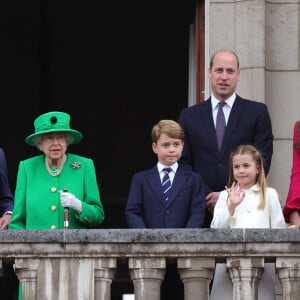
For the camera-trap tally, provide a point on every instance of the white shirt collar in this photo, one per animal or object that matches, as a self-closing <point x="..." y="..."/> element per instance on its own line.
<point x="229" y="101"/>
<point x="174" y="167"/>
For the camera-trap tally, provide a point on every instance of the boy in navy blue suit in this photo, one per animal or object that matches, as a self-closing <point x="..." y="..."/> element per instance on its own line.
<point x="147" y="206"/>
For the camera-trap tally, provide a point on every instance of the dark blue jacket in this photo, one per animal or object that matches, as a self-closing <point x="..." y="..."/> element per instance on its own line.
<point x="146" y="206"/>
<point x="249" y="123"/>
<point x="6" y="196"/>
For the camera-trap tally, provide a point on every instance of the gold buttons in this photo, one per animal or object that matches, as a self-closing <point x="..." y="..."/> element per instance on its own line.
<point x="53" y="189"/>
<point x="53" y="207"/>
<point x="87" y="220"/>
<point x="53" y="227"/>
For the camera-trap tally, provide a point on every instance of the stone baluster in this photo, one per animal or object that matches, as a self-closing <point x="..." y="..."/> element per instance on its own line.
<point x="105" y="269"/>
<point x="245" y="274"/>
<point x="26" y="270"/>
<point x="147" y="275"/>
<point x="196" y="275"/>
<point x="288" y="269"/>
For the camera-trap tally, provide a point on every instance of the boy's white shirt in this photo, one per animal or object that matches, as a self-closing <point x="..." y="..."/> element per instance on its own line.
<point x="160" y="168"/>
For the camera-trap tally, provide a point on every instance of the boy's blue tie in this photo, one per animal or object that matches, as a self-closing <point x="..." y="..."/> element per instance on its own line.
<point x="220" y="124"/>
<point x="166" y="182"/>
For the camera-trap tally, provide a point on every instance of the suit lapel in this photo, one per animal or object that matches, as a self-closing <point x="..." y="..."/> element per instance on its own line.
<point x="154" y="182"/>
<point x="208" y="125"/>
<point x="178" y="183"/>
<point x="233" y="120"/>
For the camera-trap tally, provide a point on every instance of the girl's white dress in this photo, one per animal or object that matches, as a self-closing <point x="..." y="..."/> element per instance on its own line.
<point x="247" y="215"/>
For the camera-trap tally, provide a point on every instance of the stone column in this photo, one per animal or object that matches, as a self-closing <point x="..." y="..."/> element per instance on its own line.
<point x="26" y="270"/>
<point x="104" y="273"/>
<point x="245" y="274"/>
<point x="288" y="269"/>
<point x="147" y="275"/>
<point x="196" y="274"/>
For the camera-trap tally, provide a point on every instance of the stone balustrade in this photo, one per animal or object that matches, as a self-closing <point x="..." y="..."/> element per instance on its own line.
<point x="82" y="264"/>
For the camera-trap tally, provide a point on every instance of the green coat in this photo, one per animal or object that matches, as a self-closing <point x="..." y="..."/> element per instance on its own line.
<point x="37" y="199"/>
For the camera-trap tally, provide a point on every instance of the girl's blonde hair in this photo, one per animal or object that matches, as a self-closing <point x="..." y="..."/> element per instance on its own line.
<point x="261" y="177"/>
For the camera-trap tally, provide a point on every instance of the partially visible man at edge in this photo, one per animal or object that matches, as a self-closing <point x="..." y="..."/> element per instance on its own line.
<point x="8" y="280"/>
<point x="6" y="196"/>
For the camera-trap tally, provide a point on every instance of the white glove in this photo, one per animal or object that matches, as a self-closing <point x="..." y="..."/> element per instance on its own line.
<point x="69" y="200"/>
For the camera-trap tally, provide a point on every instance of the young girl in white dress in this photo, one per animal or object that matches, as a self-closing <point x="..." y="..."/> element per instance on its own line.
<point x="246" y="202"/>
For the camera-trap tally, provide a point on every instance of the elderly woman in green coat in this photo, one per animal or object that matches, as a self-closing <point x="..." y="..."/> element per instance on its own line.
<point x="55" y="184"/>
<point x="56" y="181"/>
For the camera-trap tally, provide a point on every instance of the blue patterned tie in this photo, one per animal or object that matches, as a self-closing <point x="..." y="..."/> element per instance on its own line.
<point x="220" y="124"/>
<point x="166" y="182"/>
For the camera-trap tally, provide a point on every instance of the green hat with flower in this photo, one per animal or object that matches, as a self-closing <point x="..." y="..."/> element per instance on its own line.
<point x="54" y="121"/>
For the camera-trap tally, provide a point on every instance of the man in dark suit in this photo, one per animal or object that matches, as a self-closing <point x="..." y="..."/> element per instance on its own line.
<point x="8" y="278"/>
<point x="247" y="122"/>
<point x="183" y="207"/>
<point x="6" y="196"/>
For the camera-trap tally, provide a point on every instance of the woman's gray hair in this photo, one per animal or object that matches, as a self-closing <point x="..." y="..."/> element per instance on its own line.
<point x="38" y="139"/>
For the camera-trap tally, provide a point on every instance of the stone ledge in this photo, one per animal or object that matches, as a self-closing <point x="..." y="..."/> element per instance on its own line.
<point x="176" y="235"/>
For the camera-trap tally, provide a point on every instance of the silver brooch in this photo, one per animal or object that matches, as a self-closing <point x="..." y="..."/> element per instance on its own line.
<point x="76" y="165"/>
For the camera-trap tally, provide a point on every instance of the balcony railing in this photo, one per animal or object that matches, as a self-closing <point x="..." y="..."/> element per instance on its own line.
<point x="82" y="264"/>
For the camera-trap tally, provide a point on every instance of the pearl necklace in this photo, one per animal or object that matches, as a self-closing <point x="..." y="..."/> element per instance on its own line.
<point x="57" y="171"/>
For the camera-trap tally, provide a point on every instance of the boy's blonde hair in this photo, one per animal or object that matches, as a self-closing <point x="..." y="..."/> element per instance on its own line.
<point x="258" y="159"/>
<point x="169" y="127"/>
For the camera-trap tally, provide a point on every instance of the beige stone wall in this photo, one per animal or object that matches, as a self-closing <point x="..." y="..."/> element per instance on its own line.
<point x="265" y="35"/>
